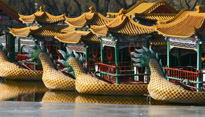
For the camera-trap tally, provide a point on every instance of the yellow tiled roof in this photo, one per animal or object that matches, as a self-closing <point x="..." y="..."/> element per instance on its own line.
<point x="45" y="32"/>
<point x="27" y="19"/>
<point x="22" y="32"/>
<point x="128" y="10"/>
<point x="67" y="29"/>
<point x="123" y="25"/>
<point x="136" y="5"/>
<point x="42" y="17"/>
<point x="14" y="14"/>
<point x="90" y="18"/>
<point x="182" y="27"/>
<point x="181" y="14"/>
<point x="143" y="7"/>
<point x="75" y="37"/>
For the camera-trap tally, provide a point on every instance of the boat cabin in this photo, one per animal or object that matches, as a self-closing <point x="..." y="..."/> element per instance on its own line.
<point x="118" y="39"/>
<point x="185" y="48"/>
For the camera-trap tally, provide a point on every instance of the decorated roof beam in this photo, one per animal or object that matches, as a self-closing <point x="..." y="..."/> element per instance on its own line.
<point x="143" y="9"/>
<point x="42" y="17"/>
<point x="43" y="32"/>
<point x="9" y="10"/>
<point x="122" y="25"/>
<point x="88" y="18"/>
<point x="76" y="37"/>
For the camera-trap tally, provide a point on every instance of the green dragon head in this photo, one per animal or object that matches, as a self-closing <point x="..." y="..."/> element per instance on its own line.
<point x="67" y="55"/>
<point x="36" y="50"/>
<point x="141" y="57"/>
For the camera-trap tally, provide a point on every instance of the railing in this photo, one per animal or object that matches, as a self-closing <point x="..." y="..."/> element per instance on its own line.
<point x="22" y="57"/>
<point x="91" y="66"/>
<point x="126" y="72"/>
<point x="178" y="74"/>
<point x="23" y="62"/>
<point x="188" y="68"/>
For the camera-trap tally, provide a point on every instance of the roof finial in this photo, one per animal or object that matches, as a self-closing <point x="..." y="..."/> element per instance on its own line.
<point x="41" y="9"/>
<point x="122" y="11"/>
<point x="200" y="9"/>
<point x="92" y="9"/>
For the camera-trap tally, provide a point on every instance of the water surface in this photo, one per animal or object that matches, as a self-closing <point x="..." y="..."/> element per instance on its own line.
<point x="29" y="98"/>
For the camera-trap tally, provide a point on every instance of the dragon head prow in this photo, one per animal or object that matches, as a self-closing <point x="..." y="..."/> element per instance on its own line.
<point x="72" y="59"/>
<point x="144" y="56"/>
<point x="69" y="54"/>
<point x="45" y="60"/>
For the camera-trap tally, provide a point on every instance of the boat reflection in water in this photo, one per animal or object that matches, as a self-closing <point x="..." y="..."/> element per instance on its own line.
<point x="22" y="91"/>
<point x="36" y="91"/>
<point x="59" y="97"/>
<point x="73" y="97"/>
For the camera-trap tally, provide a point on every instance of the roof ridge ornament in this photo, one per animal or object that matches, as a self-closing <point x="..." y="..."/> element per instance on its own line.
<point x="122" y="11"/>
<point x="41" y="9"/>
<point x="200" y="9"/>
<point x="92" y="9"/>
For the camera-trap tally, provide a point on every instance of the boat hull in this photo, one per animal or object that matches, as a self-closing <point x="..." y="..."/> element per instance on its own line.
<point x="12" y="71"/>
<point x="161" y="89"/>
<point x="86" y="84"/>
<point x="53" y="79"/>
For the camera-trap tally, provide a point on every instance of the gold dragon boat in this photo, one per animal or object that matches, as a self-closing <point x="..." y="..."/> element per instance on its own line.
<point x="86" y="84"/>
<point x="83" y="82"/>
<point x="160" y="88"/>
<point x="54" y="79"/>
<point x="14" y="72"/>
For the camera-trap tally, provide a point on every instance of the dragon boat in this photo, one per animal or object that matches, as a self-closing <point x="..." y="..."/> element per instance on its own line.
<point x="87" y="84"/>
<point x="14" y="72"/>
<point x="17" y="89"/>
<point x="159" y="87"/>
<point x="54" y="79"/>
